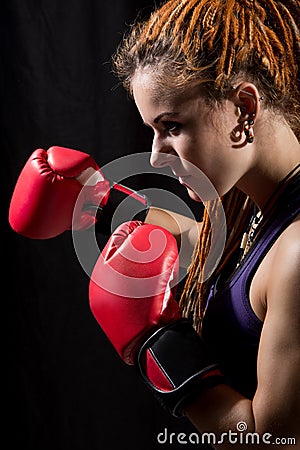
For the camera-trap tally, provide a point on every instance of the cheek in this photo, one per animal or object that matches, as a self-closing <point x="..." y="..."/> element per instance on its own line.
<point x="201" y="151"/>
<point x="190" y="146"/>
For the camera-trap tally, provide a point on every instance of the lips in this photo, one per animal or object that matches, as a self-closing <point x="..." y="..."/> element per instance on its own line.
<point x="182" y="180"/>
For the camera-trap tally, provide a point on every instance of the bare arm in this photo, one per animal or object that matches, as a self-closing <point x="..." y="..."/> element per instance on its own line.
<point x="275" y="408"/>
<point x="185" y="230"/>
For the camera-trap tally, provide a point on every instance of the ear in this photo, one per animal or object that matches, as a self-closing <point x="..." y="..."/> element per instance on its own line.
<point x="246" y="97"/>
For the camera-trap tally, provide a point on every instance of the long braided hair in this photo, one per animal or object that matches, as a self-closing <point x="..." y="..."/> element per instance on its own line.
<point x="218" y="42"/>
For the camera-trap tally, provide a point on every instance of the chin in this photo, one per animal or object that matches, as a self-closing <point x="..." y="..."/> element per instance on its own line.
<point x="194" y="196"/>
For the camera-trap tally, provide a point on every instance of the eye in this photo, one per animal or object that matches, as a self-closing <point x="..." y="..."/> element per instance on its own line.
<point x="171" y="127"/>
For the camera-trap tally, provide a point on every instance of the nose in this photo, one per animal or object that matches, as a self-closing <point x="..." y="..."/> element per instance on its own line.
<point x="162" y="154"/>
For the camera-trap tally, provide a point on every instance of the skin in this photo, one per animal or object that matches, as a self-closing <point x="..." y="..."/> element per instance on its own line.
<point x="212" y="140"/>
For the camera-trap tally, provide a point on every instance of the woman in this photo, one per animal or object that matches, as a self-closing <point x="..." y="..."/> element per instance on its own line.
<point x="218" y="82"/>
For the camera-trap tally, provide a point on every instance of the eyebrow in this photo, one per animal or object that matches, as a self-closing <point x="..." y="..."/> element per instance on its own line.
<point x="160" y="116"/>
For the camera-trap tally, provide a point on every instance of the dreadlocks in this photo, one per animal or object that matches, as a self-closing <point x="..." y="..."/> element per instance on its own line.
<point x="216" y="42"/>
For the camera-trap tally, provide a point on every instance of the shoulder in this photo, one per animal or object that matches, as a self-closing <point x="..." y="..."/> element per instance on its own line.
<point x="284" y="279"/>
<point x="287" y="251"/>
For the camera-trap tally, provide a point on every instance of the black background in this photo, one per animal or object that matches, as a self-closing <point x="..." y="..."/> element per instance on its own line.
<point x="66" y="388"/>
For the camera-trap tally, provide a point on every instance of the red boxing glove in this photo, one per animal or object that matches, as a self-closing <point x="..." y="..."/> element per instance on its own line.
<point x="51" y="184"/>
<point x="132" y="298"/>
<point x="132" y="285"/>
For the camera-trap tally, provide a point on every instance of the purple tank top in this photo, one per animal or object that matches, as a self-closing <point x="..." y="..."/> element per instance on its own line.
<point x="230" y="327"/>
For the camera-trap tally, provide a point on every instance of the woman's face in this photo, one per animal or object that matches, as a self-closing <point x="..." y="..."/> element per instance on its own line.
<point x="190" y="136"/>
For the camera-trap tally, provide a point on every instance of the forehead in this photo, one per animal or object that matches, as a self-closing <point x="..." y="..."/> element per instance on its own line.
<point x="148" y="90"/>
<point x="143" y="78"/>
<point x="145" y="84"/>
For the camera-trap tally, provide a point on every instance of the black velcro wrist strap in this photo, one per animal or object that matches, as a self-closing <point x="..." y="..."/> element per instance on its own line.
<point x="182" y="357"/>
<point x="123" y="204"/>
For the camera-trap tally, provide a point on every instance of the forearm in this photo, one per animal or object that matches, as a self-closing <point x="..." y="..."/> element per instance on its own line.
<point x="231" y="419"/>
<point x="218" y="410"/>
<point x="185" y="230"/>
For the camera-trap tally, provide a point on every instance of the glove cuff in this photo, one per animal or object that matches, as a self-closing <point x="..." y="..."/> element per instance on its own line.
<point x="176" y="365"/>
<point x="131" y="205"/>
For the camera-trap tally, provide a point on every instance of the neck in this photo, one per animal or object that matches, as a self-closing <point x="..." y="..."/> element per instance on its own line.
<point x="272" y="165"/>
